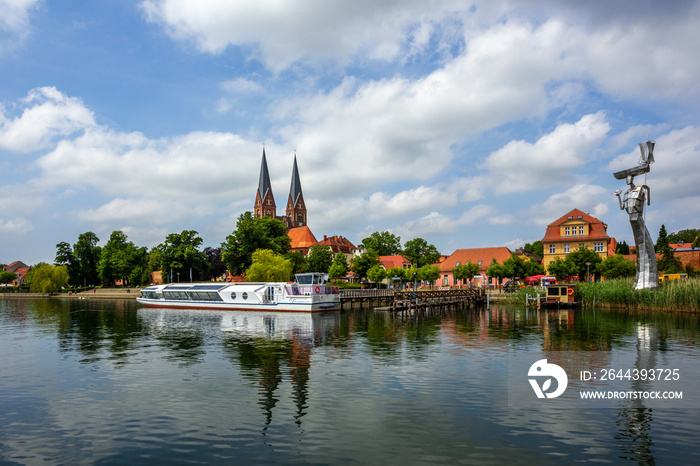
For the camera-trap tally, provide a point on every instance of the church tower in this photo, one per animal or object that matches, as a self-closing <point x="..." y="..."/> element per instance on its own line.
<point x="296" y="209"/>
<point x="264" y="200"/>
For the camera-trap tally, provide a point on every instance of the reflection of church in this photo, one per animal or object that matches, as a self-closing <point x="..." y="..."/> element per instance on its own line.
<point x="295" y="213"/>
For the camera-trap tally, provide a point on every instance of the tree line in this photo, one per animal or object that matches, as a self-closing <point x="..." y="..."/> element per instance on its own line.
<point x="260" y="249"/>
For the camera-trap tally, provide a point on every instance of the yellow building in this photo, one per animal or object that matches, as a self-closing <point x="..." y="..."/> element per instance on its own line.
<point x="574" y="230"/>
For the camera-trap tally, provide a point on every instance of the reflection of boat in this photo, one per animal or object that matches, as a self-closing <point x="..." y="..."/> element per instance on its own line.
<point x="279" y="324"/>
<point x="309" y="293"/>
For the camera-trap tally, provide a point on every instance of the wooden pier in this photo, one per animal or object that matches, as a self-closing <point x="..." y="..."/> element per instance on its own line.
<point x="372" y="298"/>
<point x="412" y="301"/>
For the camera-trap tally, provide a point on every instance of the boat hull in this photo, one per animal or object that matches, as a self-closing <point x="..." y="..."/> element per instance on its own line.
<point x="273" y="307"/>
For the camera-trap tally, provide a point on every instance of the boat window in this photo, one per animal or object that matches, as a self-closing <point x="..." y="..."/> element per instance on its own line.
<point x="305" y="279"/>
<point x="245" y="295"/>
<point x="553" y="291"/>
<point x="233" y="295"/>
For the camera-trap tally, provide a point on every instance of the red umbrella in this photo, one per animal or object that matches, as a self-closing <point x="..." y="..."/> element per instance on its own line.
<point x="533" y="279"/>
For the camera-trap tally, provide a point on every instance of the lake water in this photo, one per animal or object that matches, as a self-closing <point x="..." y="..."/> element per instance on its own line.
<point x="108" y="382"/>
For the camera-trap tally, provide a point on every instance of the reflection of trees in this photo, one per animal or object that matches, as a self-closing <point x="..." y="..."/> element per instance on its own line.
<point x="86" y="326"/>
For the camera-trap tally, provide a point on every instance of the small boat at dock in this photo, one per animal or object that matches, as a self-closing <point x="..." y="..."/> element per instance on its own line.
<point x="309" y="293"/>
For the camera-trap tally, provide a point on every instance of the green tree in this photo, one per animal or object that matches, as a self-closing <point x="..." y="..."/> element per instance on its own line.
<point x="617" y="267"/>
<point x="429" y="273"/>
<point x="536" y="248"/>
<point x="465" y="271"/>
<point x="64" y="256"/>
<point x="268" y="266"/>
<point x="362" y="264"/>
<point x="120" y="259"/>
<point x="496" y="270"/>
<point x="532" y="267"/>
<point x="689" y="235"/>
<point x="217" y="268"/>
<point x="622" y="248"/>
<point x="250" y="235"/>
<point x="319" y="259"/>
<point x="376" y="274"/>
<point x="400" y="273"/>
<point x="47" y="278"/>
<point x="180" y="256"/>
<point x="669" y="263"/>
<point x="582" y="255"/>
<point x="420" y="253"/>
<point x="297" y="260"/>
<point x="662" y="240"/>
<point x="562" y="269"/>
<point x="87" y="256"/>
<point x="384" y="243"/>
<point x="339" y="267"/>
<point x="7" y="277"/>
<point x="514" y="267"/>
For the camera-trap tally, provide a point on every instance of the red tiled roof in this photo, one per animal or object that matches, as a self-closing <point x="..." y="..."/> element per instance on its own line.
<point x="301" y="237"/>
<point x="393" y="261"/>
<point x="597" y="229"/>
<point x="14" y="266"/>
<point x="681" y="245"/>
<point x="485" y="255"/>
<point x="337" y="244"/>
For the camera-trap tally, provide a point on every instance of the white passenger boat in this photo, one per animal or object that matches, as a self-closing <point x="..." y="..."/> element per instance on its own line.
<point x="309" y="293"/>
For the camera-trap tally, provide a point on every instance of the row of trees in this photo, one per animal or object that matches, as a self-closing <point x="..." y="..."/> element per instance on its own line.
<point x="269" y="251"/>
<point x="180" y="257"/>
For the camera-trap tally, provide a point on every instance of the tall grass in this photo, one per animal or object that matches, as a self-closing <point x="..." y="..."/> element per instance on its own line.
<point x="676" y="295"/>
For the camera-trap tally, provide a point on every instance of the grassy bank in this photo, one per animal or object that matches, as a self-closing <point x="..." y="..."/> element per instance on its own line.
<point x="675" y="295"/>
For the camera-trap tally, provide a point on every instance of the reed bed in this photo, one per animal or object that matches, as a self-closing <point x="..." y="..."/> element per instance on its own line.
<point x="675" y="295"/>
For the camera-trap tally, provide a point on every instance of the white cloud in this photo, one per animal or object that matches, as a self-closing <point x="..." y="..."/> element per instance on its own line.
<point x="522" y="166"/>
<point x="594" y="200"/>
<point x="381" y="204"/>
<point x="241" y="86"/>
<point x="47" y="115"/>
<point x="14" y="18"/>
<point x="139" y="211"/>
<point x="648" y="58"/>
<point x="676" y="171"/>
<point x="15" y="226"/>
<point x="284" y="33"/>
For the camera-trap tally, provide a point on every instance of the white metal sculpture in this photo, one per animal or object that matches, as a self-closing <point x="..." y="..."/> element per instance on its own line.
<point x="635" y="197"/>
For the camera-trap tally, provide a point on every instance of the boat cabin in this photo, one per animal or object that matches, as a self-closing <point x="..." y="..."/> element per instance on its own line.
<point x="313" y="278"/>
<point x="561" y="294"/>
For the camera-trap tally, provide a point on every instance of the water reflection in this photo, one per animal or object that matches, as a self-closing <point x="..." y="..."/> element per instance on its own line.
<point x="352" y="386"/>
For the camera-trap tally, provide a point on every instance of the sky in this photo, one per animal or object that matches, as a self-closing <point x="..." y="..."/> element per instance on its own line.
<point x="468" y="124"/>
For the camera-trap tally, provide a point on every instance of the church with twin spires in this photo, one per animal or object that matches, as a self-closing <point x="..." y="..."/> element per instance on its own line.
<point x="295" y="213"/>
<point x="295" y="218"/>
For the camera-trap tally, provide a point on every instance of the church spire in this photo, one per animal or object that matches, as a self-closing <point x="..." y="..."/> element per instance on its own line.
<point x="264" y="199"/>
<point x="295" y="188"/>
<point x="296" y="210"/>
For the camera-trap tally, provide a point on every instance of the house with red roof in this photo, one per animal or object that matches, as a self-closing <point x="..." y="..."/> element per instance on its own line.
<point x="20" y="269"/>
<point x="481" y="256"/>
<point x="573" y="230"/>
<point x="389" y="262"/>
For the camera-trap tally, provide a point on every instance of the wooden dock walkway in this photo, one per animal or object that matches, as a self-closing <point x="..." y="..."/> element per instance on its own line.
<point x="370" y="297"/>
<point x="412" y="301"/>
